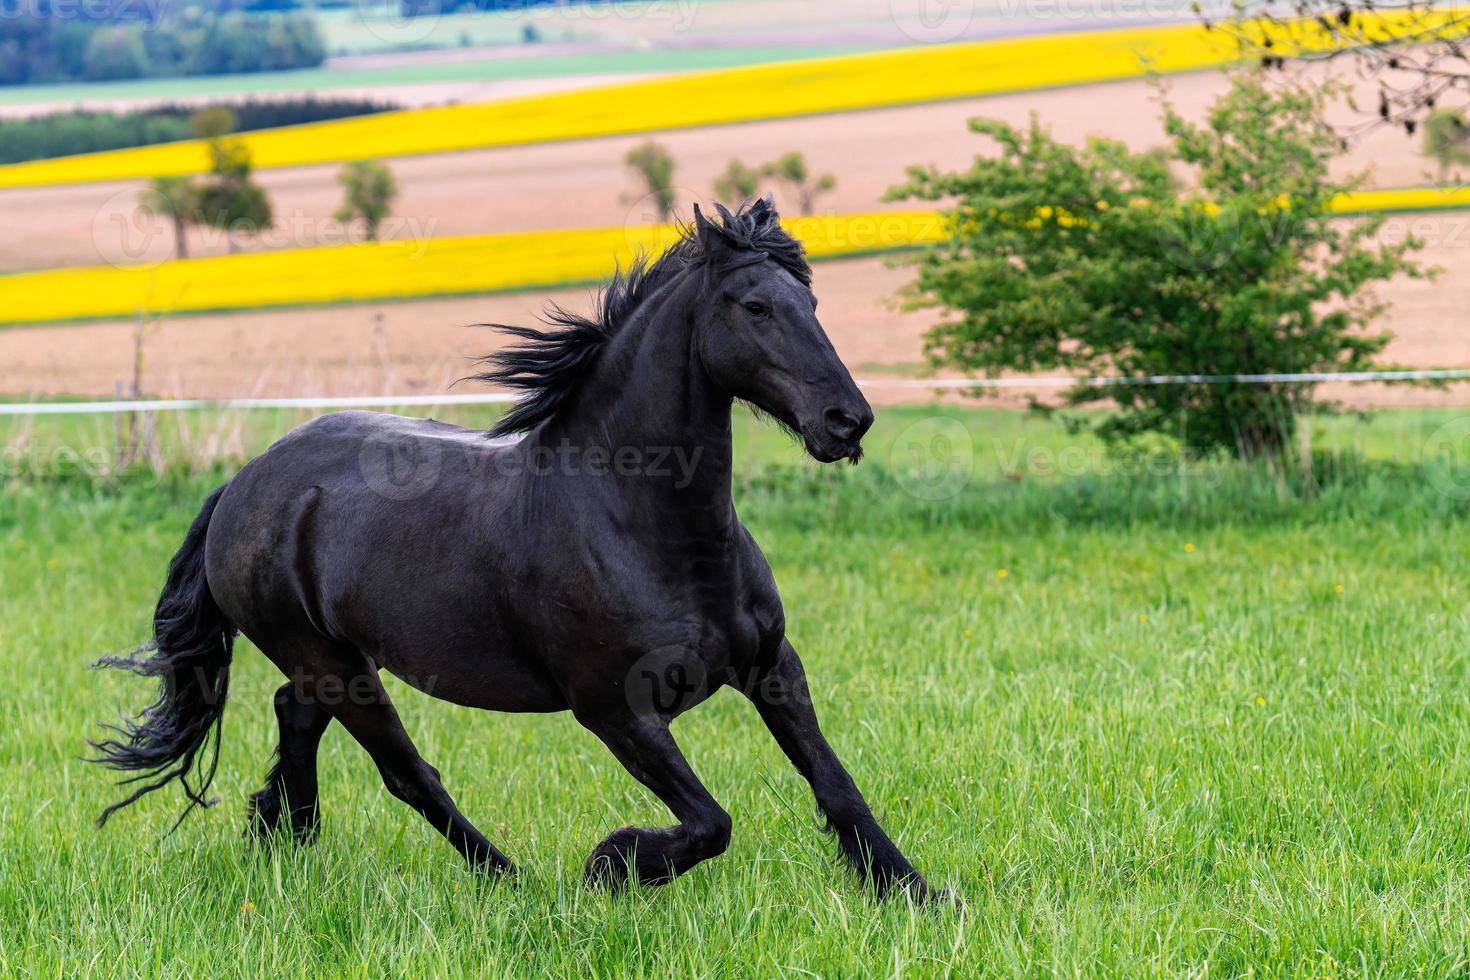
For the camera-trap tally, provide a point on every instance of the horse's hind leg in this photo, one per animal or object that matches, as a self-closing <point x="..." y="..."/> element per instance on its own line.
<point x="654" y="856"/>
<point x="359" y="702"/>
<point x="292" y="781"/>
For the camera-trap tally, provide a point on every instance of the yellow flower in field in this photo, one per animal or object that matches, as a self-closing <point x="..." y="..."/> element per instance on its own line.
<point x="1143" y="617"/>
<point x="1260" y="702"/>
<point x="1283" y="202"/>
<point x="1001" y="573"/>
<point x="247" y="907"/>
<point x="1189" y="548"/>
<point x="1212" y="209"/>
<point x="968" y="634"/>
<point x="1103" y="205"/>
<point x="1337" y="589"/>
<point x="1043" y="212"/>
<point x="1138" y="202"/>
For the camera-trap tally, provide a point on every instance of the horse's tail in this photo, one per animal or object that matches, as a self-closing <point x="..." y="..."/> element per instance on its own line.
<point x="190" y="654"/>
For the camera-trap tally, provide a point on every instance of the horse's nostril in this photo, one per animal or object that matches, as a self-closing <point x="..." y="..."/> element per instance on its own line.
<point x="841" y="424"/>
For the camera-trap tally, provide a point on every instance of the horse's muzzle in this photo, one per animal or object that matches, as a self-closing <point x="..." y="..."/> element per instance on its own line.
<point x="839" y="433"/>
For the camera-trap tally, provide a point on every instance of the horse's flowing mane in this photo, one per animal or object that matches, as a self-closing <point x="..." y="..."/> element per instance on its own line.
<point x="550" y="363"/>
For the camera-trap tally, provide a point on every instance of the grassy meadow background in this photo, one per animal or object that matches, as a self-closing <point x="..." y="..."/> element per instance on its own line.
<point x="1145" y="716"/>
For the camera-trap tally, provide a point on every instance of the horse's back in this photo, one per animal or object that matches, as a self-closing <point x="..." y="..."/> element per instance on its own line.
<point x="356" y="526"/>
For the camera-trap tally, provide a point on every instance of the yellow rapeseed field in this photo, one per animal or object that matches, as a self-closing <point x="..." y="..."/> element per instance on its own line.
<point x="923" y="73"/>
<point x="466" y="264"/>
<point x="399" y="269"/>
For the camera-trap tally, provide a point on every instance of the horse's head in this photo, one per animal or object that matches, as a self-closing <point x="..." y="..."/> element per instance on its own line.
<point x="759" y="339"/>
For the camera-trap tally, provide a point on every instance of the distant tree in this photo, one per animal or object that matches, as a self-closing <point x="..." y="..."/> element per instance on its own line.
<point x="177" y="199"/>
<point x="1446" y="134"/>
<point x="737" y="184"/>
<point x="229" y="197"/>
<point x="655" y="167"/>
<point x="370" y="190"/>
<point x="213" y="122"/>
<point x="115" y="54"/>
<point x="791" y="167"/>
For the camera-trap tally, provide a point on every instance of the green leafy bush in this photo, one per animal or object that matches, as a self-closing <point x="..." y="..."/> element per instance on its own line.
<point x="1090" y="259"/>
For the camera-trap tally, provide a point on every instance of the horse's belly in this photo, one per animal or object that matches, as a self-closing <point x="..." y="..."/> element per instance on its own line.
<point x="487" y="682"/>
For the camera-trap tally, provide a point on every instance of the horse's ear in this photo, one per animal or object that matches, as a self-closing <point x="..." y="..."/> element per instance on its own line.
<point x="712" y="240"/>
<point x="764" y="207"/>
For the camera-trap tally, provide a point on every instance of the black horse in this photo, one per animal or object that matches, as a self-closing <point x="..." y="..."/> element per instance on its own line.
<point x="584" y="555"/>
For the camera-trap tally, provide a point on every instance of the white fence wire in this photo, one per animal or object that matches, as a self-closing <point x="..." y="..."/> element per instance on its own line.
<point x="503" y="398"/>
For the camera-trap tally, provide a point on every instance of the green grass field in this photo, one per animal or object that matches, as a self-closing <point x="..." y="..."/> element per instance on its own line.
<point x="1147" y="717"/>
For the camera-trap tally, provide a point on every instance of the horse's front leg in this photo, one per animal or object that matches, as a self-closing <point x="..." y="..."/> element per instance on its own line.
<point x="649" y="855"/>
<point x="781" y="696"/>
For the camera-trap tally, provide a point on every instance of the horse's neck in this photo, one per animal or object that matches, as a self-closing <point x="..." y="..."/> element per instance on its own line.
<point x="649" y="403"/>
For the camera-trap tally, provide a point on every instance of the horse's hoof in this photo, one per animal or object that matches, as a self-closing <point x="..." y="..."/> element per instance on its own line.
<point x="507" y="872"/>
<point x="918" y="891"/>
<point x="262" y="814"/>
<point x="925" y="894"/>
<point x="610" y="865"/>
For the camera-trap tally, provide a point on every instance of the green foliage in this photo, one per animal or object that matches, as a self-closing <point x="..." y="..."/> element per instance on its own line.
<point x="737" y="184"/>
<point x="175" y="198"/>
<point x="369" y="191"/>
<point x="1446" y="135"/>
<point x="792" y="168"/>
<point x="1087" y="259"/>
<point x="655" y="167"/>
<point x="65" y="133"/>
<point x="114" y="53"/>
<point x="38" y="47"/>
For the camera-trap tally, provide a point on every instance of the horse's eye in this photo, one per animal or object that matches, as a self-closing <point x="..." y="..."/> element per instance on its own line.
<point x="754" y="309"/>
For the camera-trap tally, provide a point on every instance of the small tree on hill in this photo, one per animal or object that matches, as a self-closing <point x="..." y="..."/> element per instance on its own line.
<point x="655" y="167"/>
<point x="791" y="167"/>
<point x="1446" y="134"/>
<point x="229" y="198"/>
<point x="737" y="184"/>
<point x="370" y="190"/>
<point x="1085" y="259"/>
<point x="177" y="199"/>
